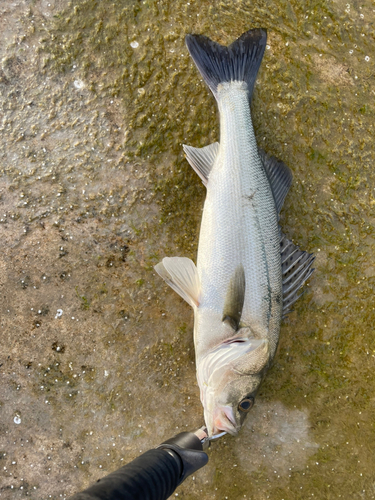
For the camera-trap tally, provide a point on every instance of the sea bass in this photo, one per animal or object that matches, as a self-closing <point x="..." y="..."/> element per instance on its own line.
<point x="248" y="273"/>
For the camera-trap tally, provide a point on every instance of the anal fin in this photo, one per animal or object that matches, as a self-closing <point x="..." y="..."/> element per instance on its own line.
<point x="202" y="159"/>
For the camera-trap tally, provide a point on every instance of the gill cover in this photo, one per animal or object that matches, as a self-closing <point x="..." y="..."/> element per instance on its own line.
<point x="240" y="357"/>
<point x="226" y="375"/>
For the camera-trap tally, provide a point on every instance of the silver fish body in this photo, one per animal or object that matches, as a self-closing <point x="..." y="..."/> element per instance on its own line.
<point x="239" y="227"/>
<point x="247" y="273"/>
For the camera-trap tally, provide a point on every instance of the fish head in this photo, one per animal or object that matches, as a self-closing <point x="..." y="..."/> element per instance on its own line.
<point x="226" y="410"/>
<point x="229" y="377"/>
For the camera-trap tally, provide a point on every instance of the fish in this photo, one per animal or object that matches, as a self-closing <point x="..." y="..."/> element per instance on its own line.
<point x="248" y="273"/>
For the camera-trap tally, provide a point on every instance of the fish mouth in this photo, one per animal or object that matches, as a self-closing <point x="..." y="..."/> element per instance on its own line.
<point x="224" y="421"/>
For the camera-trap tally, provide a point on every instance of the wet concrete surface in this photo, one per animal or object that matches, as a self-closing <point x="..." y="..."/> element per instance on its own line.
<point x="96" y="353"/>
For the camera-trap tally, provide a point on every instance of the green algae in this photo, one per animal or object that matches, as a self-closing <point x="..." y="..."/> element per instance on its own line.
<point x="85" y="304"/>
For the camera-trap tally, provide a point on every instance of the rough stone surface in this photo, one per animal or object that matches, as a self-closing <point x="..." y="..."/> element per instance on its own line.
<point x="96" y="353"/>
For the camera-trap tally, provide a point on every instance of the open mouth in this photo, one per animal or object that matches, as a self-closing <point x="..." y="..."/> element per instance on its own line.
<point x="224" y="421"/>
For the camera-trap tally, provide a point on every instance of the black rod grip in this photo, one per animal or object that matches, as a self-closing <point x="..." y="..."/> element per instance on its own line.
<point x="154" y="475"/>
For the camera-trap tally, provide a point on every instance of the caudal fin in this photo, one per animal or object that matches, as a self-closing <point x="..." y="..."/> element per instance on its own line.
<point x="239" y="61"/>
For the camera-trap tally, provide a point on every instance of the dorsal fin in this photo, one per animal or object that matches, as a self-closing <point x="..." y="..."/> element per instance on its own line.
<point x="279" y="175"/>
<point x="296" y="269"/>
<point x="235" y="298"/>
<point x="181" y="274"/>
<point x="202" y="159"/>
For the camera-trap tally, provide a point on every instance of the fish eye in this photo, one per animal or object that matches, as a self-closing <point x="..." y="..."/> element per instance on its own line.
<point x="246" y="404"/>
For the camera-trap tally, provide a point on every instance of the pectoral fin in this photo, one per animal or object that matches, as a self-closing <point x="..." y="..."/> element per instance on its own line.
<point x="180" y="273"/>
<point x="235" y="298"/>
<point x="255" y="359"/>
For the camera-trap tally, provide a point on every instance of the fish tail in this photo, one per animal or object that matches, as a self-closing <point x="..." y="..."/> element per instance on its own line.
<point x="239" y="61"/>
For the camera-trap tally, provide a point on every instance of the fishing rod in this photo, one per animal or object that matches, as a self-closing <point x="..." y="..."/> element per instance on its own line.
<point x="155" y="474"/>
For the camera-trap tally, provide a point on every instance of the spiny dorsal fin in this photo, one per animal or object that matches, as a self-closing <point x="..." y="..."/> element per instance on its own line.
<point x="180" y="273"/>
<point x="202" y="159"/>
<point x="235" y="298"/>
<point x="296" y="269"/>
<point x="279" y="175"/>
